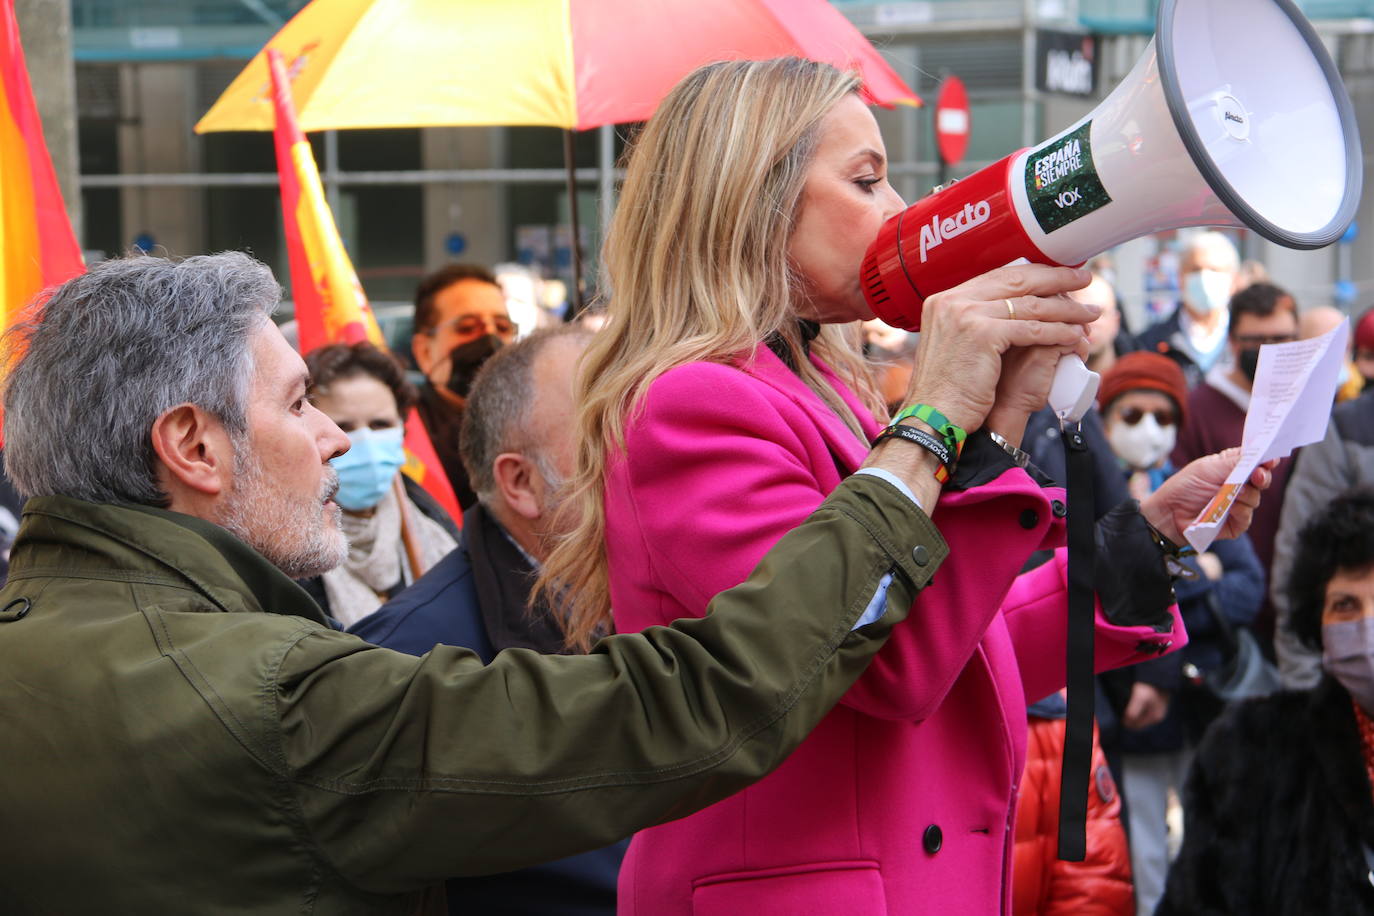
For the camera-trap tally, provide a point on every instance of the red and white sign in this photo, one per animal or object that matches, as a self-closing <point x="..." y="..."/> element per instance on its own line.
<point x="952" y="120"/>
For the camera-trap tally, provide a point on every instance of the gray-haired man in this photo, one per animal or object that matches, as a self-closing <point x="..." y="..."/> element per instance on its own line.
<point x="184" y="732"/>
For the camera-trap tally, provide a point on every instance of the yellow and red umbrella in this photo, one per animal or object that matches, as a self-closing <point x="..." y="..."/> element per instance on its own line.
<point x="564" y="63"/>
<point x="574" y="64"/>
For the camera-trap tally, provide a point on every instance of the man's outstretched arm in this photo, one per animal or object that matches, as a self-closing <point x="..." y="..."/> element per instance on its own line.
<point x="411" y="770"/>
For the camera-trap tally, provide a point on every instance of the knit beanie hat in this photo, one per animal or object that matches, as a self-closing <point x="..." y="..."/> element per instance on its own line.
<point x="1147" y="371"/>
<point x="1364" y="331"/>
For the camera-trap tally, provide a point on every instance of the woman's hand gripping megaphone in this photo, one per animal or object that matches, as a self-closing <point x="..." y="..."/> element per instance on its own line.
<point x="981" y="359"/>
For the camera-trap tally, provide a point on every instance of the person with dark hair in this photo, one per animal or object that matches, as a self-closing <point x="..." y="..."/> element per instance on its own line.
<point x="1278" y="814"/>
<point x="1260" y="314"/>
<point x="395" y="530"/>
<point x="461" y="319"/>
<point x="1342" y="460"/>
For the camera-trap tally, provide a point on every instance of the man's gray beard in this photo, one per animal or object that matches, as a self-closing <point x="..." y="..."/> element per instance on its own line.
<point x="291" y="534"/>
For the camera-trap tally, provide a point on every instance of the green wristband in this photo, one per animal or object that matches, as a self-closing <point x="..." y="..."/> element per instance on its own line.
<point x="954" y="436"/>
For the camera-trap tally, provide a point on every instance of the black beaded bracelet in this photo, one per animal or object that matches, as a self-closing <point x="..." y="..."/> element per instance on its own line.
<point x="1174" y="555"/>
<point x="930" y="442"/>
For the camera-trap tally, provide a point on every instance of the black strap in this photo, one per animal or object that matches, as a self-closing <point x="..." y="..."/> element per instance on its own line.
<point x="1078" y="737"/>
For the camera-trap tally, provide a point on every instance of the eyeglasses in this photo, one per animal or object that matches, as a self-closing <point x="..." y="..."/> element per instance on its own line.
<point x="474" y="325"/>
<point x="1259" y="340"/>
<point x="1133" y="415"/>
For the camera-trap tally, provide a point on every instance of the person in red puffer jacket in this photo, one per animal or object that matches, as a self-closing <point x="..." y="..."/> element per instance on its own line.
<point x="1042" y="884"/>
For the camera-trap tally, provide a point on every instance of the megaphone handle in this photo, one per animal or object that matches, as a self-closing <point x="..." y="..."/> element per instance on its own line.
<point x="1073" y="389"/>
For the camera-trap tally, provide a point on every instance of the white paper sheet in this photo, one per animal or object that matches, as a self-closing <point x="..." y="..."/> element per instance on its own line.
<point x="1290" y="406"/>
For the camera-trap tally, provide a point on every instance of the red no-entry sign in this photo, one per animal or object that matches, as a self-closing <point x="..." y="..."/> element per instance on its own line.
<point x="952" y="120"/>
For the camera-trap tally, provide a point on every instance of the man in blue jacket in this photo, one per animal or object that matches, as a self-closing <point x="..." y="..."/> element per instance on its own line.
<point x="517" y="445"/>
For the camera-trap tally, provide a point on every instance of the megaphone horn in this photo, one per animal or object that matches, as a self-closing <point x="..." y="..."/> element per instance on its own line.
<point x="1234" y="116"/>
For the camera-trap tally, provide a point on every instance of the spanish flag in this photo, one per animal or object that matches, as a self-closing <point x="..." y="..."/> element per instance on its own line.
<point x="37" y="246"/>
<point x="330" y="304"/>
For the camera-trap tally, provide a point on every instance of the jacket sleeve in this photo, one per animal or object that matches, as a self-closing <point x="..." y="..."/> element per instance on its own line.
<point x="1100" y="885"/>
<point x="1137" y="618"/>
<point x="714" y="448"/>
<point x="406" y="771"/>
<point x="1320" y="473"/>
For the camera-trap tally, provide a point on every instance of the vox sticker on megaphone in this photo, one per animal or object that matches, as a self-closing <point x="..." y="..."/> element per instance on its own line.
<point x="1062" y="182"/>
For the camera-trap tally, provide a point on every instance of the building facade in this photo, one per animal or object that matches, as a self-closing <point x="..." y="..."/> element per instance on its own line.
<point x="408" y="200"/>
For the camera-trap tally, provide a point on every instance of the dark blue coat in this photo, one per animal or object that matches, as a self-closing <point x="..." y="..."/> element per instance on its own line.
<point x="476" y="597"/>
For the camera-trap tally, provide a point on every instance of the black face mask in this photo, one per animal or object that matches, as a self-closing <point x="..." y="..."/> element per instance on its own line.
<point x="1248" y="362"/>
<point x="466" y="359"/>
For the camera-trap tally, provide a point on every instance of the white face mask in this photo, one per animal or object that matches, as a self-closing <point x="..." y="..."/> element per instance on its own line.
<point x="1207" y="290"/>
<point x="1144" y="445"/>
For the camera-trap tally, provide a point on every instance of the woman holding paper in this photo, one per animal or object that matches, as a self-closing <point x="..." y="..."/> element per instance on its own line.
<point x="726" y="398"/>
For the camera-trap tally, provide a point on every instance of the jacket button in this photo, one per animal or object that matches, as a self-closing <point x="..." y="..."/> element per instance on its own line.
<point x="1058" y="508"/>
<point x="1029" y="518"/>
<point x="920" y="555"/>
<point x="932" y="839"/>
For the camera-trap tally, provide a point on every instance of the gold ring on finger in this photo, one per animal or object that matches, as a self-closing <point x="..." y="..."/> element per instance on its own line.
<point x="1011" y="309"/>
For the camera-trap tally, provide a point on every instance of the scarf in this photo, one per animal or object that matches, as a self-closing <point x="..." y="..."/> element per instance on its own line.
<point x="377" y="566"/>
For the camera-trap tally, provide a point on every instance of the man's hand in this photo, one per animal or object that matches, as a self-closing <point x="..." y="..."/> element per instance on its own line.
<point x="1147" y="706"/>
<point x="1178" y="501"/>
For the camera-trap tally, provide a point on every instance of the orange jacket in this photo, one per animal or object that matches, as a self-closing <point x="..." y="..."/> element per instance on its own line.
<point x="1100" y="885"/>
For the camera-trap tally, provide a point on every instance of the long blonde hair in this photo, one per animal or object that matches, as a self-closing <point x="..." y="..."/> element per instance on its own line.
<point x="697" y="261"/>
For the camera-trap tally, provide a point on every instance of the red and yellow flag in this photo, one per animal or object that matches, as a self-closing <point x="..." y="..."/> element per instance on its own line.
<point x="330" y="304"/>
<point x="37" y="246"/>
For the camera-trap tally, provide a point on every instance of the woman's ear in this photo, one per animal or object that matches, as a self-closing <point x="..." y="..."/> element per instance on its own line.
<point x="514" y="475"/>
<point x="193" y="448"/>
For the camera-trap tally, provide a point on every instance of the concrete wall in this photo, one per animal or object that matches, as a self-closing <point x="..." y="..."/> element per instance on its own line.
<point x="475" y="211"/>
<point x="159" y="107"/>
<point x="45" y="31"/>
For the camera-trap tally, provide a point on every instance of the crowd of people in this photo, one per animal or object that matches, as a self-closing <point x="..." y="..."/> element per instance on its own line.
<point x="684" y="649"/>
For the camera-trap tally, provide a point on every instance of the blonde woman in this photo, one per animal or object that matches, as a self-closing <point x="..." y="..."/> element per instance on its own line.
<point x="725" y="399"/>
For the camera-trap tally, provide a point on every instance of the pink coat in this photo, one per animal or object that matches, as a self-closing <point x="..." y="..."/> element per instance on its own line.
<point x="903" y="799"/>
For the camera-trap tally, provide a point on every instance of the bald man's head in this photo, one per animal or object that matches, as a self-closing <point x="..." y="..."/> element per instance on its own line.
<point x="1317" y="320"/>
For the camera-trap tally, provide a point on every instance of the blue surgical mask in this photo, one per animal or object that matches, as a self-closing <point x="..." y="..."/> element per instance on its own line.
<point x="367" y="469"/>
<point x="1207" y="291"/>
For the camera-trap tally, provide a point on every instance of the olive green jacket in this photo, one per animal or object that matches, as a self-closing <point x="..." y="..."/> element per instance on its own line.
<point x="183" y="733"/>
